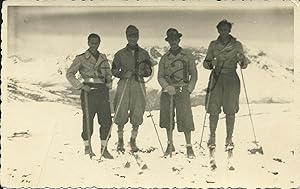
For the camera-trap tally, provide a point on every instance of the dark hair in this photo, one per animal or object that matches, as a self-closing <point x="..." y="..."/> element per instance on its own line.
<point x="131" y="29"/>
<point x="224" y="22"/>
<point x="93" y="35"/>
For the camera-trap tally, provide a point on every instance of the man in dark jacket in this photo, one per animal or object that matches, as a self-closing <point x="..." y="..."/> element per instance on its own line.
<point x="131" y="64"/>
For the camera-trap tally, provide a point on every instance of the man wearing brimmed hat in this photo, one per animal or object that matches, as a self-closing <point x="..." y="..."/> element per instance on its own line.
<point x="131" y="64"/>
<point x="94" y="68"/>
<point x="177" y="75"/>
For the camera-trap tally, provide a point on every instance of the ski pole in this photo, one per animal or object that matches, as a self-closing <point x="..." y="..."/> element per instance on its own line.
<point x="116" y="112"/>
<point x="171" y="123"/>
<point x="87" y="117"/>
<point x="206" y="104"/>
<point x="250" y="115"/>
<point x="209" y="90"/>
<point x="150" y="115"/>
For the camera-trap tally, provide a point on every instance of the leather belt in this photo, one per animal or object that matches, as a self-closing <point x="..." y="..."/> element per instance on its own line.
<point x="93" y="80"/>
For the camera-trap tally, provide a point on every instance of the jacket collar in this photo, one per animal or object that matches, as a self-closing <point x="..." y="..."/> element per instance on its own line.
<point x="88" y="54"/>
<point x="129" y="49"/>
<point x="231" y="39"/>
<point x="182" y="52"/>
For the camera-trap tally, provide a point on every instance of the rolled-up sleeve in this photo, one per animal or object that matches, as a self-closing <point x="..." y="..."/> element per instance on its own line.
<point x="71" y="72"/>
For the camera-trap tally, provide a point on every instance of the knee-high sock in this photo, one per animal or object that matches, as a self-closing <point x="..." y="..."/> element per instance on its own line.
<point x="134" y="131"/>
<point x="230" y="119"/>
<point x="188" y="137"/>
<point x="213" y="123"/>
<point x="120" y="131"/>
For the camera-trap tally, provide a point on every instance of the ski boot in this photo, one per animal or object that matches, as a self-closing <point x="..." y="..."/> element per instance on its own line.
<point x="133" y="145"/>
<point x="229" y="149"/>
<point x="212" y="148"/>
<point x="88" y="149"/>
<point x="120" y="146"/>
<point x="105" y="153"/>
<point x="190" y="152"/>
<point x="170" y="148"/>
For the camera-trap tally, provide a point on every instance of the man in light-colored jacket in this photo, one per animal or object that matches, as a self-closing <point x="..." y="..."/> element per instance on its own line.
<point x="95" y="70"/>
<point x="223" y="56"/>
<point x="177" y="75"/>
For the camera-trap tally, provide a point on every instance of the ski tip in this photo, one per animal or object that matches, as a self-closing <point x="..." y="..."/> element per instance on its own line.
<point x="213" y="168"/>
<point x="127" y="165"/>
<point x="210" y="181"/>
<point x="231" y="168"/>
<point x="144" y="167"/>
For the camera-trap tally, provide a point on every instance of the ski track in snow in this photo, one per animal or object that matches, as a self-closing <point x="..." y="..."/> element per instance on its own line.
<point x="50" y="152"/>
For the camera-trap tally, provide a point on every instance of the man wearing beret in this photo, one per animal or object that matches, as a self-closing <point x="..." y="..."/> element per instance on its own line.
<point x="94" y="68"/>
<point x="131" y="64"/>
<point x="177" y="75"/>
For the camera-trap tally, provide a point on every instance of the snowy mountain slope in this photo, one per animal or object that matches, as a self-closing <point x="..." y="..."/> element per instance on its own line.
<point x="266" y="80"/>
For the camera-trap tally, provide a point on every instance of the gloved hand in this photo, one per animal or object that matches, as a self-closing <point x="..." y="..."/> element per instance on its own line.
<point x="190" y="89"/>
<point x="241" y="59"/>
<point x="127" y="75"/>
<point x="170" y="90"/>
<point x="86" y="88"/>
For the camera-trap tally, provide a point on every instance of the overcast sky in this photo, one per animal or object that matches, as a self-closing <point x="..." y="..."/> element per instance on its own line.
<point x="57" y="30"/>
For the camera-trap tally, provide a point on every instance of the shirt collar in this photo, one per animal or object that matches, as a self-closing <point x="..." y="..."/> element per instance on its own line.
<point x="88" y="54"/>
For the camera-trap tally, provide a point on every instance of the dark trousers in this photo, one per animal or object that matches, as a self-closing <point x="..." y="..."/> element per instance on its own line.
<point x="223" y="92"/>
<point x="98" y="103"/>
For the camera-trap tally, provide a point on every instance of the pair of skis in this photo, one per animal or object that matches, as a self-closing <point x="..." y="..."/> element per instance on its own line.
<point x="139" y="161"/>
<point x="212" y="160"/>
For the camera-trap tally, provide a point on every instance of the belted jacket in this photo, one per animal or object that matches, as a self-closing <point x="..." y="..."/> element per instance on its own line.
<point x="90" y="69"/>
<point x="226" y="56"/>
<point x="178" y="70"/>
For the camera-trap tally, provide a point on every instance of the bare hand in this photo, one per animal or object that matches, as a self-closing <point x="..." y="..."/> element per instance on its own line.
<point x="86" y="88"/>
<point x="170" y="90"/>
<point x="109" y="85"/>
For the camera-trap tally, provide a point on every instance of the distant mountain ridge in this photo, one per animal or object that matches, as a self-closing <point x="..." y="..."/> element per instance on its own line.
<point x="267" y="80"/>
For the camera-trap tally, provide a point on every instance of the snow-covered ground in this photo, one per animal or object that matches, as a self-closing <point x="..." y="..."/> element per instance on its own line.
<point x="41" y="147"/>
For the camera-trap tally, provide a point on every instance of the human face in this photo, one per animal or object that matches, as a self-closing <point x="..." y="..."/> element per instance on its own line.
<point x="94" y="44"/>
<point x="224" y="30"/>
<point x="174" y="43"/>
<point x="132" y="39"/>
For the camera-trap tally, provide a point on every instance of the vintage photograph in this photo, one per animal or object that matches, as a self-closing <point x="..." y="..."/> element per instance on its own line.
<point x="149" y="94"/>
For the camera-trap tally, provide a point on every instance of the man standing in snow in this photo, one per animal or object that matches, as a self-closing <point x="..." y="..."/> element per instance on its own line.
<point x="177" y="75"/>
<point x="94" y="68"/>
<point x="131" y="64"/>
<point x="223" y="56"/>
